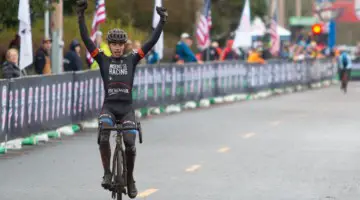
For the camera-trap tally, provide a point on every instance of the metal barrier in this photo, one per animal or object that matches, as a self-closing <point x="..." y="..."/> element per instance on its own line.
<point x="39" y="103"/>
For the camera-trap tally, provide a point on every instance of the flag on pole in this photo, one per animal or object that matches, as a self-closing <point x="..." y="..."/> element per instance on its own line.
<point x="99" y="17"/>
<point x="26" y="53"/>
<point x="204" y="25"/>
<point x="243" y="32"/>
<point x="274" y="35"/>
<point x="159" y="46"/>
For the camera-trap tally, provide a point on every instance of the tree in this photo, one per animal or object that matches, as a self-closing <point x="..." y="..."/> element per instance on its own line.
<point x="9" y="12"/>
<point x="226" y="15"/>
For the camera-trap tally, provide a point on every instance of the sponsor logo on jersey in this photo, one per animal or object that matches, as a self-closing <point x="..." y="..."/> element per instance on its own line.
<point x="113" y="91"/>
<point x="118" y="69"/>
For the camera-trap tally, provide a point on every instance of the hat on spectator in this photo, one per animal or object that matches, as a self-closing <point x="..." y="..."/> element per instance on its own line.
<point x="185" y="35"/>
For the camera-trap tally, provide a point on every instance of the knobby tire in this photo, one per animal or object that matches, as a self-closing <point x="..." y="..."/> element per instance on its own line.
<point x="119" y="172"/>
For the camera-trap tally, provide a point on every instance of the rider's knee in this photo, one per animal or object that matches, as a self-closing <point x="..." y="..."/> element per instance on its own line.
<point x="104" y="135"/>
<point x="129" y="138"/>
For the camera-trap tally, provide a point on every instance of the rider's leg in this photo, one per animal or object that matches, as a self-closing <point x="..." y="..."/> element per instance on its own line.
<point x="130" y="150"/>
<point x="104" y="147"/>
<point x="341" y="75"/>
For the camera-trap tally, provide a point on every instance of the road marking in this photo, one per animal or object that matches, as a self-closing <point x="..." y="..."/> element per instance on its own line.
<point x="193" y="168"/>
<point x="147" y="192"/>
<point x="224" y="149"/>
<point x="275" y="123"/>
<point x="248" y="135"/>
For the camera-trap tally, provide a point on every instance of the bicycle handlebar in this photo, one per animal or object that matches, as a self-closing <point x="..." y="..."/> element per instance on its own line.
<point x="119" y="127"/>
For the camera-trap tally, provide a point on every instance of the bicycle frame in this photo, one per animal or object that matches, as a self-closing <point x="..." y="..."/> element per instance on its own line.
<point x="122" y="182"/>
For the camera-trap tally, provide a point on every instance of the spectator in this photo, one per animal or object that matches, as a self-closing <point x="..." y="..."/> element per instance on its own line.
<point x="15" y="43"/>
<point x="102" y="45"/>
<point x="72" y="59"/>
<point x="136" y="47"/>
<point x="210" y="53"/>
<point x="10" y="68"/>
<point x="42" y="58"/>
<point x="152" y="57"/>
<point x="229" y="53"/>
<point x="218" y="49"/>
<point x="128" y="46"/>
<point x="254" y="57"/>
<point x="183" y="50"/>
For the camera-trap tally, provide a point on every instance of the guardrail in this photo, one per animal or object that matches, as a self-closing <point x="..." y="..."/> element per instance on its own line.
<point x="39" y="103"/>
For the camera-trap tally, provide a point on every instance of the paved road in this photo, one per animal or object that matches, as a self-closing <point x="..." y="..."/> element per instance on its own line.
<point x="304" y="146"/>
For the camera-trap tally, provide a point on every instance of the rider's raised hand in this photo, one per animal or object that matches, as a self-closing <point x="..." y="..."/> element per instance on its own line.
<point x="81" y="6"/>
<point x="162" y="12"/>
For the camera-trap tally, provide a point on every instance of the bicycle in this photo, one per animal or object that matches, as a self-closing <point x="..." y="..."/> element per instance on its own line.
<point x="119" y="169"/>
<point x="344" y="81"/>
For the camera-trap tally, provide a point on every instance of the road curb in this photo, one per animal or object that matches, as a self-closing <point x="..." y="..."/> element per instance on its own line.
<point x="2" y="150"/>
<point x="37" y="138"/>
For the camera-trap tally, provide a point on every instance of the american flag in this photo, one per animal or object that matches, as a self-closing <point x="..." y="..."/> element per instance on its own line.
<point x="204" y="26"/>
<point x="99" y="17"/>
<point x="275" y="37"/>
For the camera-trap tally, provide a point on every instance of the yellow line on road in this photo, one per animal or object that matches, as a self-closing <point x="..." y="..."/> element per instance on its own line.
<point x="224" y="149"/>
<point x="146" y="193"/>
<point x="193" y="168"/>
<point x="248" y="135"/>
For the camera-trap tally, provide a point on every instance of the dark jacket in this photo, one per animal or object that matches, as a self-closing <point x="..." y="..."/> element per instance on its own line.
<point x="41" y="61"/>
<point x="72" y="61"/>
<point x="10" y="70"/>
<point x="212" y="53"/>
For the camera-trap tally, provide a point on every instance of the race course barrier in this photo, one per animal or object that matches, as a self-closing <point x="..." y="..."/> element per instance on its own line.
<point x="42" y="104"/>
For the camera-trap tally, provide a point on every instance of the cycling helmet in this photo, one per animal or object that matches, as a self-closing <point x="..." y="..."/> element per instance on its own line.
<point x="116" y="36"/>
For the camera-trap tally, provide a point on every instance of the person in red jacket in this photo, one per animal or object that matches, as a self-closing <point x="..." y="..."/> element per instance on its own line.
<point x="229" y="53"/>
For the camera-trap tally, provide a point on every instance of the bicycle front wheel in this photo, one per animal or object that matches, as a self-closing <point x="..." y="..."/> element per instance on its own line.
<point x="119" y="172"/>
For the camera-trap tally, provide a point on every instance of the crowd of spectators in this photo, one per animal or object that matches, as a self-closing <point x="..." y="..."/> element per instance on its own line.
<point x="303" y="47"/>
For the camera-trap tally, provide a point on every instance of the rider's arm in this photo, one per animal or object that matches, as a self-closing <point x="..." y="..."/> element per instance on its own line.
<point x="89" y="44"/>
<point x="151" y="42"/>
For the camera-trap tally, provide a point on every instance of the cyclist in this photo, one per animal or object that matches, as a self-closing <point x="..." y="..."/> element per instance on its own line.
<point x="344" y="65"/>
<point x="117" y="73"/>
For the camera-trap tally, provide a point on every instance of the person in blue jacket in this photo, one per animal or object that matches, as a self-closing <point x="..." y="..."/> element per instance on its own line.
<point x="183" y="50"/>
<point x="152" y="57"/>
<point x="344" y="65"/>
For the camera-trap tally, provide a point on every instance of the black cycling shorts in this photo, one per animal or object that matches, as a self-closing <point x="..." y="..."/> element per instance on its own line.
<point x="112" y="112"/>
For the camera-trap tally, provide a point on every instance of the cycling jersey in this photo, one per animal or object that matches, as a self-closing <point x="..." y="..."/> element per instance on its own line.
<point x="118" y="73"/>
<point x="345" y="61"/>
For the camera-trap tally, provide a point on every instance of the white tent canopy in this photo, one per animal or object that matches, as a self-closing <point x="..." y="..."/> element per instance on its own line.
<point x="258" y="28"/>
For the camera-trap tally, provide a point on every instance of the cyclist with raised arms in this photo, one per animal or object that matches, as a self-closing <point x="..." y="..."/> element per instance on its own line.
<point x="117" y="73"/>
